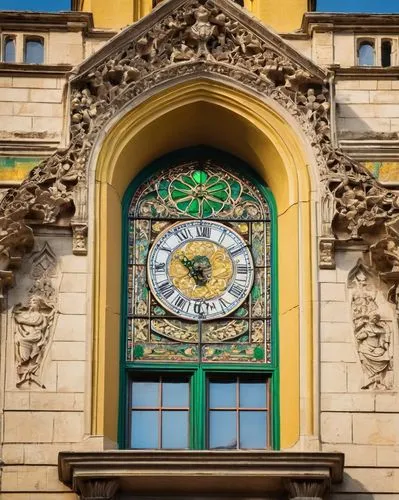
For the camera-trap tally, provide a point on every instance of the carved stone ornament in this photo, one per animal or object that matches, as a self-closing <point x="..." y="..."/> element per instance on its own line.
<point x="372" y="333"/>
<point x="306" y="489"/>
<point x="98" y="489"/>
<point x="182" y="39"/>
<point x="34" y="320"/>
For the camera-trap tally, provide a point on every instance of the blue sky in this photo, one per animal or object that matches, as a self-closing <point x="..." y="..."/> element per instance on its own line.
<point x="37" y="5"/>
<point x="358" y="6"/>
<point x="322" y="5"/>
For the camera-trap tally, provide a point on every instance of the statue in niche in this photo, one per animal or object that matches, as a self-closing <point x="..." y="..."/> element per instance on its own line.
<point x="34" y="320"/>
<point x="33" y="325"/>
<point x="372" y="334"/>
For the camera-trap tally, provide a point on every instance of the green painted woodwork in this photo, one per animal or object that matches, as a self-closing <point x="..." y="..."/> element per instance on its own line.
<point x="216" y="191"/>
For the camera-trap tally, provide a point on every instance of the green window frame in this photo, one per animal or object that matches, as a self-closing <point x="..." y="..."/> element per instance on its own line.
<point x="198" y="372"/>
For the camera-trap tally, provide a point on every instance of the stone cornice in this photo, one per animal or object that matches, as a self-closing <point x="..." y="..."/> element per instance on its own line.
<point x="37" y="70"/>
<point x="54" y="21"/>
<point x="200" y="472"/>
<point x="359" y="23"/>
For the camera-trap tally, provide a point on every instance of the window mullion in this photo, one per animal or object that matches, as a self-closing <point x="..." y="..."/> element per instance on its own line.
<point x="198" y="410"/>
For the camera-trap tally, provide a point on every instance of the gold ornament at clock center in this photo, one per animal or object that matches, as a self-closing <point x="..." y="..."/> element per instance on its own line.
<point x="201" y="269"/>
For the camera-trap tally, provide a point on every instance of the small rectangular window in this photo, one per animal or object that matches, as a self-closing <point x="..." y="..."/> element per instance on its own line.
<point x="34" y="50"/>
<point x="238" y="412"/>
<point x="386" y="51"/>
<point x="159" y="412"/>
<point x="9" y="44"/>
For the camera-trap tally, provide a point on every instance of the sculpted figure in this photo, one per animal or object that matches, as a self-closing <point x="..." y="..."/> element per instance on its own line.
<point x="33" y="324"/>
<point x="373" y="337"/>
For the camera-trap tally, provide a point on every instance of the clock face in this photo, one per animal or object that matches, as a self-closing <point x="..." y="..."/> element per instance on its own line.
<point x="200" y="270"/>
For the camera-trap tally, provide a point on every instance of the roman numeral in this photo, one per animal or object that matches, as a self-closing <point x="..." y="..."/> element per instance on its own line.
<point x="222" y="236"/>
<point x="159" y="267"/>
<point x="180" y="302"/>
<point x="203" y="231"/>
<point x="166" y="289"/>
<point x="183" y="234"/>
<point x="236" y="251"/>
<point x="165" y="248"/>
<point x="242" y="269"/>
<point x="236" y="290"/>
<point x="224" y="304"/>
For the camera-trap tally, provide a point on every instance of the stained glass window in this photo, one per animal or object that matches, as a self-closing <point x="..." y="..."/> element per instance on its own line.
<point x="202" y="189"/>
<point x="200" y="377"/>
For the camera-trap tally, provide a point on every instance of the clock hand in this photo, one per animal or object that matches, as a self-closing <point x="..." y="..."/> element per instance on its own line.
<point x="199" y="268"/>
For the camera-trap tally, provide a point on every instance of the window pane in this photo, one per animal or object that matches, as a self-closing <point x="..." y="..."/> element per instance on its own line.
<point x="253" y="429"/>
<point x="175" y="394"/>
<point x="366" y="54"/>
<point x="145" y="394"/>
<point x="175" y="429"/>
<point x="222" y="394"/>
<point x="144" y="432"/>
<point x="9" y="50"/>
<point x="222" y="430"/>
<point x="34" y="53"/>
<point x="252" y="394"/>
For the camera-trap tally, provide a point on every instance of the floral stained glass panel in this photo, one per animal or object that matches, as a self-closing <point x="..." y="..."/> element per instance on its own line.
<point x="198" y="190"/>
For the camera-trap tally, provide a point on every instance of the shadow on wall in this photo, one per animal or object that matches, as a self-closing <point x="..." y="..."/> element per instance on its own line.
<point x="351" y="489"/>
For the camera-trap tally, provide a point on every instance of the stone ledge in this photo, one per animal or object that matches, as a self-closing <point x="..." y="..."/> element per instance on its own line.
<point x="237" y="473"/>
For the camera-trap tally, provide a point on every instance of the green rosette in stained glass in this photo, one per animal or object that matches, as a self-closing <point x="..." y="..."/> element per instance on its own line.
<point x="199" y="194"/>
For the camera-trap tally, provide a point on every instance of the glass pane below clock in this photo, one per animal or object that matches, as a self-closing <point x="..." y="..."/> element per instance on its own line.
<point x="145" y="394"/>
<point x="175" y="429"/>
<point x="222" y="394"/>
<point x="144" y="431"/>
<point x="222" y="430"/>
<point x="175" y="394"/>
<point x="253" y="429"/>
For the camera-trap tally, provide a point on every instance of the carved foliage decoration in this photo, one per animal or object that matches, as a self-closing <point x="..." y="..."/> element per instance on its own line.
<point x="34" y="320"/>
<point x="372" y="334"/>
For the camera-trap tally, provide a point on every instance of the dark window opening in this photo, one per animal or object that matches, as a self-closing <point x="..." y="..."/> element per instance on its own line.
<point x="386" y="52"/>
<point x="9" y="49"/>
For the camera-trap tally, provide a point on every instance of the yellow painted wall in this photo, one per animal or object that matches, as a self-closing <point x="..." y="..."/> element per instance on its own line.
<point x="209" y="113"/>
<point x="281" y="15"/>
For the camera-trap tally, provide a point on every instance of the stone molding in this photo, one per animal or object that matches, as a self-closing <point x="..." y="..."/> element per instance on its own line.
<point x="183" y="39"/>
<point x="197" y="473"/>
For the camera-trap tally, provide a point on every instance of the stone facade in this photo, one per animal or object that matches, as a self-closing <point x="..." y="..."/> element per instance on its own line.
<point x="48" y="338"/>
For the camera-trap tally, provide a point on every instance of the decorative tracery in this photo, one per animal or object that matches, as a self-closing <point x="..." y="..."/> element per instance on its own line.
<point x="201" y="269"/>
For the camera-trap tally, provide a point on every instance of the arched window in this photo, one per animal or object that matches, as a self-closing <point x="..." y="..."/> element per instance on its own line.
<point x="199" y="355"/>
<point x="9" y="49"/>
<point x="34" y="50"/>
<point x="366" y="53"/>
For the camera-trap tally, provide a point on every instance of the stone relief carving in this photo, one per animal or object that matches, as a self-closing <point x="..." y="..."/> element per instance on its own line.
<point x="372" y="333"/>
<point x="34" y="320"/>
<point x="197" y="37"/>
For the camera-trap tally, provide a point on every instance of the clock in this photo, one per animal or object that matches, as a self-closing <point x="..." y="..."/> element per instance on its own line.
<point x="200" y="270"/>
